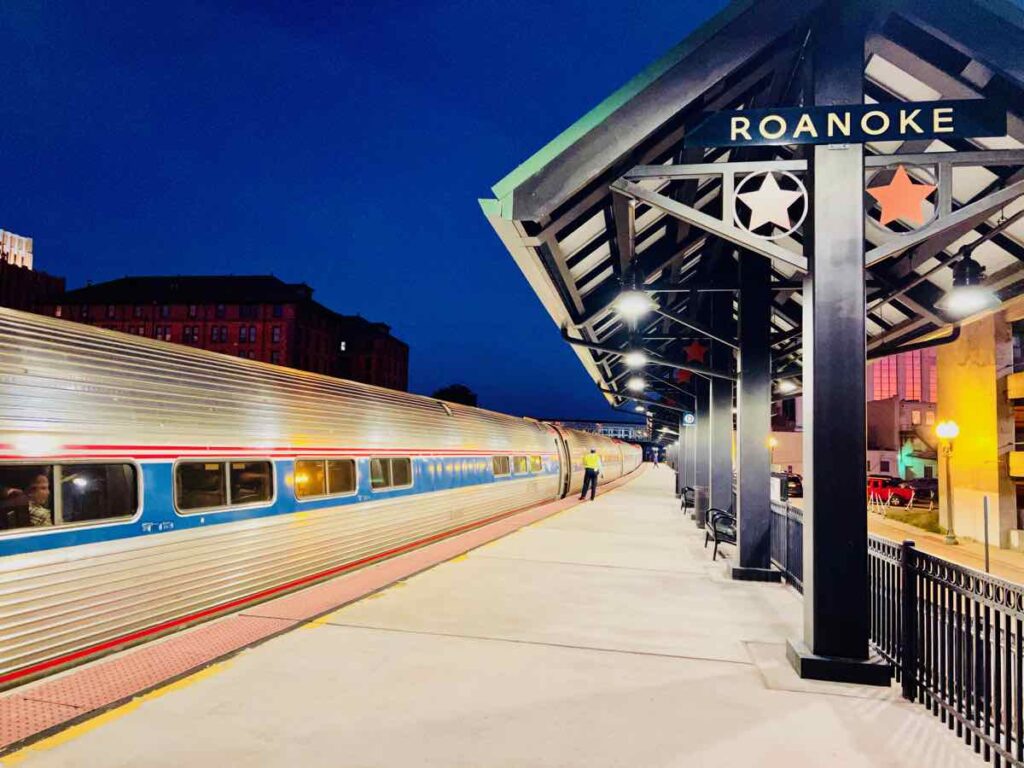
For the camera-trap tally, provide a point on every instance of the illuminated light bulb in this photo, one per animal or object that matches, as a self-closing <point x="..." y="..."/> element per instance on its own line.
<point x="947" y="430"/>
<point x="633" y="304"/>
<point x="636" y="384"/>
<point x="635" y="359"/>
<point x="786" y="385"/>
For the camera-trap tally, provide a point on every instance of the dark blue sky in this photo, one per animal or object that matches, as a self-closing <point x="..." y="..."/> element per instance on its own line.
<point x="339" y="144"/>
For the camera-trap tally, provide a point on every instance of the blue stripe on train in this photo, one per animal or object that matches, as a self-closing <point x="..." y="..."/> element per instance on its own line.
<point x="158" y="515"/>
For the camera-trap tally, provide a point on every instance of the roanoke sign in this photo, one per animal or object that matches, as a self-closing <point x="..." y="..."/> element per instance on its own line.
<point x="851" y="124"/>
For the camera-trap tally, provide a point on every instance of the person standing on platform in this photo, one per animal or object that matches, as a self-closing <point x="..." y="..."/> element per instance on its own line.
<point x="655" y="457"/>
<point x="591" y="469"/>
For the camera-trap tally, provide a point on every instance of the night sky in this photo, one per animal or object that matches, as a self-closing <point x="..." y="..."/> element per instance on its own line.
<point x="339" y="144"/>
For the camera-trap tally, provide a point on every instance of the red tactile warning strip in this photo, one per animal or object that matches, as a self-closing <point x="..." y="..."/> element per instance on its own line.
<point x="38" y="709"/>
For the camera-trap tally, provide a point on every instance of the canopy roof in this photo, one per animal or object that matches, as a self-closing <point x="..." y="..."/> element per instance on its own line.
<point x="556" y="213"/>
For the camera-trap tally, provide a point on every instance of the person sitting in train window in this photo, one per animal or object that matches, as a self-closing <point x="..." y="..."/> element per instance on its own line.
<point x="592" y="468"/>
<point x="38" y="493"/>
<point x="13" y="508"/>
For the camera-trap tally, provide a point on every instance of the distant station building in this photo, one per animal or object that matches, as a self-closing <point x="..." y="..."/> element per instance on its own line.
<point x="634" y="432"/>
<point x="21" y="286"/>
<point x="254" y="317"/>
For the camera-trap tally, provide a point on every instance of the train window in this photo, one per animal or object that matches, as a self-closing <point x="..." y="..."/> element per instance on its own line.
<point x="519" y="463"/>
<point x="536" y="464"/>
<point x="380" y="473"/>
<point x="341" y="476"/>
<point x="390" y="473"/>
<point x="310" y="479"/>
<point x="251" y="482"/>
<point x="92" y="492"/>
<point x="401" y="472"/>
<point x="45" y="495"/>
<point x="200" y="484"/>
<point x="501" y="466"/>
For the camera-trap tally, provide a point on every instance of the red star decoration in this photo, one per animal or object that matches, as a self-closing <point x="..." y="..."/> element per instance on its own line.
<point x="668" y="400"/>
<point x="683" y="376"/>
<point x="695" y="352"/>
<point x="901" y="198"/>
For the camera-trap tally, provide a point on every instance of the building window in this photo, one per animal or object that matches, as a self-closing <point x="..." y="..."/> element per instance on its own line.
<point x="929" y="417"/>
<point x="243" y="333"/>
<point x="341" y="346"/>
<point x="57" y="311"/>
<point x="275" y="334"/>
<point x="248" y="311"/>
<point x="165" y="310"/>
<point x="883" y="465"/>
<point x="275" y="357"/>
<point x="929" y="471"/>
<point x="111" y="311"/>
<point x="884" y="379"/>
<point x="220" y="310"/>
<point x="85" y="311"/>
<point x="163" y="333"/>
<point x="192" y="310"/>
<point x="932" y="394"/>
<point x="915" y="418"/>
<point x="137" y="311"/>
<point x="278" y="310"/>
<point x="912" y="375"/>
<point x="252" y="333"/>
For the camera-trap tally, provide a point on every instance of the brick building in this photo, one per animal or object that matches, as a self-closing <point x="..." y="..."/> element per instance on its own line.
<point x="254" y="317"/>
<point x="21" y="286"/>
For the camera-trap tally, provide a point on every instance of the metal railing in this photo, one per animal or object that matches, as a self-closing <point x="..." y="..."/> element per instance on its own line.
<point x="954" y="636"/>
<point x="787" y="542"/>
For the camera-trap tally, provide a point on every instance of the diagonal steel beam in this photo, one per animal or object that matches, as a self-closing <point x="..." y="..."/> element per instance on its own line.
<point x="947" y="229"/>
<point x="725" y="230"/>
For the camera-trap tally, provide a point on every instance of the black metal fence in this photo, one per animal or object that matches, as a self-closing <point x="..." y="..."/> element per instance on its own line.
<point x="954" y="636"/>
<point x="787" y="536"/>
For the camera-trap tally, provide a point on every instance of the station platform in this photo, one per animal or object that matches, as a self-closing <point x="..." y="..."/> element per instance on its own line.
<point x="596" y="634"/>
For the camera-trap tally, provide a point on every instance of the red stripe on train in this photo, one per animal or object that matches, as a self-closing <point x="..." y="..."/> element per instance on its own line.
<point x="123" y="639"/>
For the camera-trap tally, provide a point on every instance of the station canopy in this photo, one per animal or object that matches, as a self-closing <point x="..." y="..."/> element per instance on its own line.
<point x="568" y="229"/>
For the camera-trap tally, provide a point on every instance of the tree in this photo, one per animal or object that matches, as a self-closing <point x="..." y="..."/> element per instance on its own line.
<point x="456" y="393"/>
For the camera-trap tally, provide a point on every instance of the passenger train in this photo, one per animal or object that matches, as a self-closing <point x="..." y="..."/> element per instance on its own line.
<point x="145" y="486"/>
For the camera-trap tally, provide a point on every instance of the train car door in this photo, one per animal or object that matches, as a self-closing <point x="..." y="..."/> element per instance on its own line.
<point x="565" y="461"/>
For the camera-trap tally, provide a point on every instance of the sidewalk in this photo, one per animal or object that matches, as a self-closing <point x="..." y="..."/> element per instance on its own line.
<point x="602" y="636"/>
<point x="1005" y="564"/>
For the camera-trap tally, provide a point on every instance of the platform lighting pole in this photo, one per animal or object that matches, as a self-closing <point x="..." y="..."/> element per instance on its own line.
<point x="948" y="431"/>
<point x="836" y="600"/>
<point x="721" y="416"/>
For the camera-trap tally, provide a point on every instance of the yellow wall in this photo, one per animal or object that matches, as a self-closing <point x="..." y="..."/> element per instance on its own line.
<point x="972" y="373"/>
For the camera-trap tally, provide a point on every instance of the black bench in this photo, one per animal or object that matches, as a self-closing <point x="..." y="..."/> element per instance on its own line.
<point x="721" y="529"/>
<point x="687" y="497"/>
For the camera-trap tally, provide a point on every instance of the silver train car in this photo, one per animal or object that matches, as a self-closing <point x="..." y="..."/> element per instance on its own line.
<point x="145" y="486"/>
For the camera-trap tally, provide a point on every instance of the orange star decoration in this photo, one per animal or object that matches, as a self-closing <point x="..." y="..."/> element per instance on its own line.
<point x="901" y="198"/>
<point x="695" y="352"/>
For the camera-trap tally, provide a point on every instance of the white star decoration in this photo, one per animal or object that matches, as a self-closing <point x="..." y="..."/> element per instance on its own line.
<point x="770" y="203"/>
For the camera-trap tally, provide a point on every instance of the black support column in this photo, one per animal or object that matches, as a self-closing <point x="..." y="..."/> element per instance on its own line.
<point x="721" y="405"/>
<point x="702" y="439"/>
<point x="835" y="641"/>
<point x="753" y="417"/>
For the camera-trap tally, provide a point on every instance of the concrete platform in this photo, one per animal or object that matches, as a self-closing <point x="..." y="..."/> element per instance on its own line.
<point x="601" y="636"/>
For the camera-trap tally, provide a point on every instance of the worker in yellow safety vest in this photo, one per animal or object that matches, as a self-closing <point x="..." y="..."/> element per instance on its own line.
<point x="591" y="469"/>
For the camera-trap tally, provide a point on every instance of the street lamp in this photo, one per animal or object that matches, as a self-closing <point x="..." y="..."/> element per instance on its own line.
<point x="785" y="386"/>
<point x="773" y="443"/>
<point x="632" y="304"/>
<point x="948" y="432"/>
<point x="636" y="384"/>
<point x="635" y="359"/>
<point x="968" y="295"/>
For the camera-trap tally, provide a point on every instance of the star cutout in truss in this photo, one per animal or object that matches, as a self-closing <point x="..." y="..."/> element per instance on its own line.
<point x="901" y="198"/>
<point x="770" y="203"/>
<point x="683" y="376"/>
<point x="695" y="352"/>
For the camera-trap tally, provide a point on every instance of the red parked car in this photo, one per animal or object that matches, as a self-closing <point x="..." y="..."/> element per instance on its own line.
<point x="889" y="489"/>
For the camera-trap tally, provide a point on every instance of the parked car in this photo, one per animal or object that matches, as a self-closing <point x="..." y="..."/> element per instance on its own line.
<point x="924" y="488"/>
<point x="794" y="486"/>
<point x="889" y="489"/>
